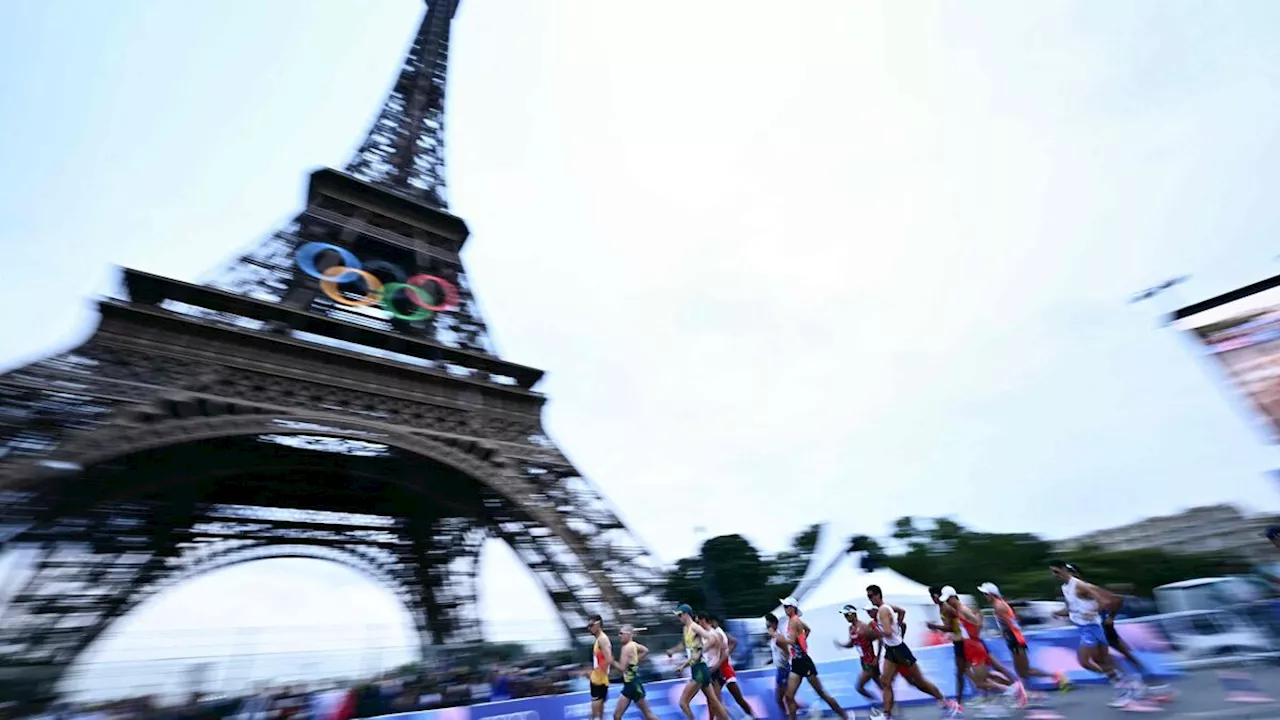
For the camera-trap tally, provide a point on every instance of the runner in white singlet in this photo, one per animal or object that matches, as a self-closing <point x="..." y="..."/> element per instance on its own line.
<point x="1083" y="604"/>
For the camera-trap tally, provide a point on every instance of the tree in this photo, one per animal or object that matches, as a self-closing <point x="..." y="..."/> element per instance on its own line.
<point x="731" y="577"/>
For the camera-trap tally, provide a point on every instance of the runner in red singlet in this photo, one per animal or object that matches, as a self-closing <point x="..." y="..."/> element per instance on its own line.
<point x="975" y="652"/>
<point x="863" y="636"/>
<point x="1013" y="637"/>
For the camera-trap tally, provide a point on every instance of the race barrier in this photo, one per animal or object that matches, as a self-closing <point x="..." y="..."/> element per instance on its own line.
<point x="1050" y="650"/>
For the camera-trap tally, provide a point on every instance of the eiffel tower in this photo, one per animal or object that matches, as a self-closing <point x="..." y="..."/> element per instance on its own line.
<point x="331" y="394"/>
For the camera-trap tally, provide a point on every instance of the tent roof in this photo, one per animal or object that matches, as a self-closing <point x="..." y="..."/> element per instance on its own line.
<point x="844" y="580"/>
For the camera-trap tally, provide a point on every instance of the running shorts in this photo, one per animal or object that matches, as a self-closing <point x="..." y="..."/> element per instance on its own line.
<point x="599" y="692"/>
<point x="700" y="674"/>
<point x="899" y="655"/>
<point x="804" y="667"/>
<point x="726" y="672"/>
<point x="780" y="674"/>
<point x="975" y="653"/>
<point x="1092" y="635"/>
<point x="871" y="669"/>
<point x="1015" y="642"/>
<point x="633" y="690"/>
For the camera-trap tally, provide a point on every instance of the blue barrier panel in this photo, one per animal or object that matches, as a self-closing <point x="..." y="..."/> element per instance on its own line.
<point x="1050" y="650"/>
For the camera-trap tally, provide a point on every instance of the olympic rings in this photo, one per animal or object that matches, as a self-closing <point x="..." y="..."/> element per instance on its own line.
<point x="375" y="291"/>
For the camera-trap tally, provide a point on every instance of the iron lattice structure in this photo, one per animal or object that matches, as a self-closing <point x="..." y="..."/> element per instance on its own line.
<point x="263" y="414"/>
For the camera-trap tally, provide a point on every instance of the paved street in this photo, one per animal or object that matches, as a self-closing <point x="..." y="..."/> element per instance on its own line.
<point x="1200" y="695"/>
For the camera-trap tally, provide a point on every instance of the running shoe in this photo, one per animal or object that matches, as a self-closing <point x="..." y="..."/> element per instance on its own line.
<point x="1124" y="694"/>
<point x="951" y="710"/>
<point x="1063" y="683"/>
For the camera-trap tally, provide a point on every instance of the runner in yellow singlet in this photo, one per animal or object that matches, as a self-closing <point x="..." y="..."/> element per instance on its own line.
<point x="601" y="661"/>
<point x="628" y="662"/>
<point x="699" y="673"/>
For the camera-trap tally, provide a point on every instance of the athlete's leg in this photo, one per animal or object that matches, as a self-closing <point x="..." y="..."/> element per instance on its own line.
<point x="621" y="707"/>
<point x="921" y="683"/>
<point x="863" y="679"/>
<point x="886" y="685"/>
<point x="793" y="684"/>
<point x="999" y="672"/>
<point x="686" y="696"/>
<point x="962" y="671"/>
<point x="816" y="684"/>
<point x="780" y="695"/>
<point x="597" y="708"/>
<point x="643" y="704"/>
<point x="714" y="706"/>
<point x="736" y="692"/>
<point x="1117" y="642"/>
<point x="1022" y="663"/>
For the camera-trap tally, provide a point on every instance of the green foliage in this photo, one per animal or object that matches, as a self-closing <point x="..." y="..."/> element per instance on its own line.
<point x="942" y="552"/>
<point x="731" y="577"/>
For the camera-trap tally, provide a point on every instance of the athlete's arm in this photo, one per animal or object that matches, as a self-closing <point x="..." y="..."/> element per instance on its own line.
<point x="641" y="652"/>
<point x="902" y="617"/>
<point x="733" y="642"/>
<point x="625" y="657"/>
<point x="885" y="616"/>
<point x="845" y="645"/>
<point x="784" y="644"/>
<point x="1108" y="601"/>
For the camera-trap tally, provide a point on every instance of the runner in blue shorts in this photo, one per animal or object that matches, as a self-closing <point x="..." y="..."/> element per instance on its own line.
<point x="780" y="656"/>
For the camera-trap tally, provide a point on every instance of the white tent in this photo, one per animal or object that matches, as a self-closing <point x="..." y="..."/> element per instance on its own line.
<point x="843" y="580"/>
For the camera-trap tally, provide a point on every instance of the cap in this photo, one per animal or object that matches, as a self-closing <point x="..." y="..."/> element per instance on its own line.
<point x="628" y="630"/>
<point x="683" y="608"/>
<point x="1273" y="532"/>
<point x="871" y="608"/>
<point x="789" y="601"/>
<point x="988" y="588"/>
<point x="595" y="619"/>
<point x="849" y="610"/>
<point x="948" y="592"/>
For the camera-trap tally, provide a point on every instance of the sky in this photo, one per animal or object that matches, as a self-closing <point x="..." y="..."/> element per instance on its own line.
<point x="876" y="254"/>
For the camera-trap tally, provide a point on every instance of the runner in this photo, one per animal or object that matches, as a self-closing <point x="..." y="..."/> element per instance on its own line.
<point x="1011" y="630"/>
<point x="863" y="636"/>
<point x="1083" y="602"/>
<point x="951" y="626"/>
<point x="976" y="656"/>
<point x="724" y="676"/>
<point x="781" y="659"/>
<point x="1137" y="684"/>
<point x="602" y="660"/>
<point x="898" y="658"/>
<point x="630" y="657"/>
<point x="802" y="666"/>
<point x="699" y="674"/>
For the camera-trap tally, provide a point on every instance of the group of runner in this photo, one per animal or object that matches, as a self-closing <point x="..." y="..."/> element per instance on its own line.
<point x="884" y="654"/>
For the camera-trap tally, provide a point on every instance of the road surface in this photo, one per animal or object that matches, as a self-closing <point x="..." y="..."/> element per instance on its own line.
<point x="1202" y="694"/>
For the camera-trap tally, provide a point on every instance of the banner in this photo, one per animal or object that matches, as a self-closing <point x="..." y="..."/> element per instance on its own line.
<point x="1241" y="332"/>
<point x="1050" y="650"/>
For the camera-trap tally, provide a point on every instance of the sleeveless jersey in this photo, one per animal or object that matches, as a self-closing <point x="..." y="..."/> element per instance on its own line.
<point x="780" y="658"/>
<point x="951" y="625"/>
<point x="971" y="630"/>
<point x="864" y="644"/>
<point x="599" y="676"/>
<point x="890" y="636"/>
<point x="1079" y="610"/>
<point x="692" y="643"/>
<point x="713" y="654"/>
<point x="1008" y="621"/>
<point x="629" y="671"/>
<point x="799" y="646"/>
